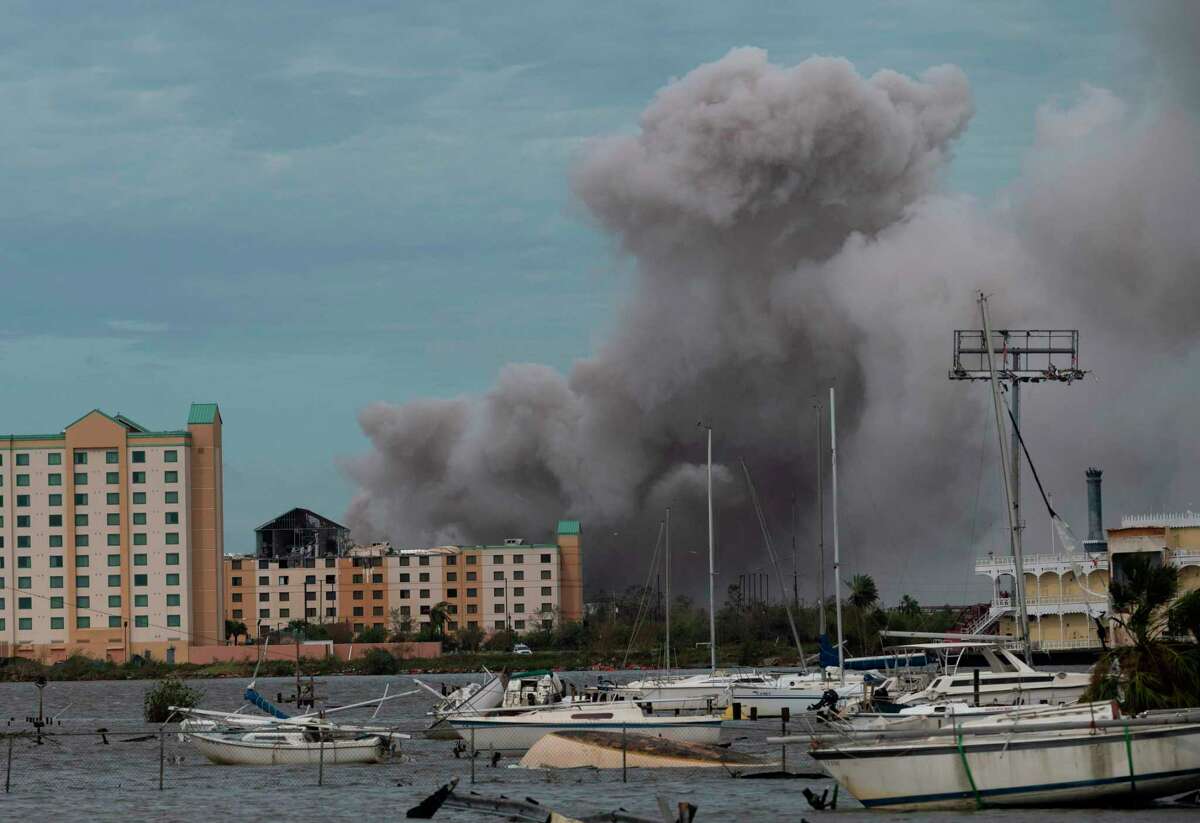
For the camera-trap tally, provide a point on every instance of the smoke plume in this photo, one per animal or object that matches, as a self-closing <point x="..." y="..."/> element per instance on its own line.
<point x="790" y="230"/>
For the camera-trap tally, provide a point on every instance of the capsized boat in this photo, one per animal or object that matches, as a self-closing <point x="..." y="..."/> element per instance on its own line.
<point x="499" y="730"/>
<point x="1097" y="758"/>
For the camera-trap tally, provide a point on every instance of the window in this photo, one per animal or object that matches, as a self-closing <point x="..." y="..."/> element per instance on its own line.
<point x="518" y="607"/>
<point x="545" y="591"/>
<point x="23" y="501"/>
<point x="518" y="591"/>
<point x="423" y="577"/>
<point x="23" y="541"/>
<point x="24" y="562"/>
<point x="81" y="541"/>
<point x="139" y="538"/>
<point x="171" y="497"/>
<point x="263" y="580"/>
<point x="139" y="560"/>
<point x="451" y="592"/>
<point x="139" y="457"/>
<point x="173" y="620"/>
<point x="498" y="592"/>
<point x="54" y="479"/>
<point x="451" y="560"/>
<point x="404" y="577"/>
<point x="142" y="621"/>
<point x="25" y="623"/>
<point x="23" y="521"/>
<point x="497" y="575"/>
<point x="57" y="623"/>
<point x="22" y="459"/>
<point x="112" y="458"/>
<point x="113" y="540"/>
<point x="24" y="583"/>
<point x="545" y="558"/>
<point x="285" y="596"/>
<point x="113" y="498"/>
<point x="405" y="593"/>
<point x="139" y="498"/>
<point x="357" y="580"/>
<point x="236" y="597"/>
<point x="546" y="607"/>
<point x="25" y="603"/>
<point x="22" y="480"/>
<point x="451" y="577"/>
<point x="112" y="478"/>
<point x="471" y="576"/>
<point x="81" y="520"/>
<point x="81" y="499"/>
<point x="283" y="580"/>
<point x="358" y="595"/>
<point x="139" y="580"/>
<point x="403" y="561"/>
<point x="423" y="560"/>
<point x="330" y="579"/>
<point x="114" y="581"/>
<point x="56" y="602"/>
<point x="83" y="581"/>
<point x="139" y="518"/>
<point x="83" y="622"/>
<point x="377" y="578"/>
<point x="81" y="561"/>
<point x="56" y="561"/>
<point x="139" y="477"/>
<point x="56" y="581"/>
<point x="237" y="614"/>
<point x="80" y="458"/>
<point x="377" y="611"/>
<point x="55" y="500"/>
<point x="518" y="558"/>
<point x="377" y="595"/>
<point x="472" y="592"/>
<point x="172" y="579"/>
<point x="424" y="592"/>
<point x="56" y="541"/>
<point x="235" y="581"/>
<point x="114" y="561"/>
<point x="170" y="477"/>
<point x="114" y="601"/>
<point x="172" y="518"/>
<point x="141" y="600"/>
<point x="54" y="459"/>
<point x="80" y="479"/>
<point x="518" y="575"/>
<point x="331" y="595"/>
<point x="472" y="559"/>
<point x="499" y="608"/>
<point x="264" y="612"/>
<point x="172" y="538"/>
<point x="172" y="558"/>
<point x="425" y="610"/>
<point x="56" y="521"/>
<point x="358" y="611"/>
<point x="545" y="574"/>
<point x="170" y="456"/>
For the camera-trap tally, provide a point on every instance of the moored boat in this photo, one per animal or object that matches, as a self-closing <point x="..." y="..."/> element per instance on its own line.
<point x="287" y="747"/>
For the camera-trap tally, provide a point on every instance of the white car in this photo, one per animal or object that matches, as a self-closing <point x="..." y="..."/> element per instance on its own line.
<point x="522" y="649"/>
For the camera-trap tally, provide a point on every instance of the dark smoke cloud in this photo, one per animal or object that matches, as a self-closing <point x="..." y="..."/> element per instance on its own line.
<point x="788" y="231"/>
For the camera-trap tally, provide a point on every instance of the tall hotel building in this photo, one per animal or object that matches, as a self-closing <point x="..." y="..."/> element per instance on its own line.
<point x="111" y="539"/>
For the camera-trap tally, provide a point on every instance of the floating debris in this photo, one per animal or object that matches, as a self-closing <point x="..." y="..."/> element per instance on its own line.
<point x="613" y="750"/>
<point x="530" y="809"/>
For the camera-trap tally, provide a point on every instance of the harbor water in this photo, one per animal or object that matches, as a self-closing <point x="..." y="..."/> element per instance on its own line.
<point x="103" y="761"/>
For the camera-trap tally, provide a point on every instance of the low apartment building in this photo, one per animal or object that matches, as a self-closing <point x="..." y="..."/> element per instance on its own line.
<point x="513" y="584"/>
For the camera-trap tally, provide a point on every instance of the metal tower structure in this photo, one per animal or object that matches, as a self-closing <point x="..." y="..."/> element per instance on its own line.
<point x="1015" y="357"/>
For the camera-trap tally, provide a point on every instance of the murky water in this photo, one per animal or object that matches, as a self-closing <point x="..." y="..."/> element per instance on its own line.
<point x="82" y="777"/>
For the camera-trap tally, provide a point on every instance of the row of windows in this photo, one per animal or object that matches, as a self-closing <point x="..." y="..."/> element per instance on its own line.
<point x="111" y="478"/>
<point x="84" y="621"/>
<point x="81" y="499"/>
<point x="84" y="581"/>
<point x="83" y="561"/>
<point x="83" y="541"/>
<point x="84" y="601"/>
<point x="81" y="457"/>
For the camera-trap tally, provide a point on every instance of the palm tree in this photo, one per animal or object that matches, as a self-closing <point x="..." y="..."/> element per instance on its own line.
<point x="235" y="629"/>
<point x="864" y="594"/>
<point x="438" y="616"/>
<point x="1149" y="672"/>
<point x="1185" y="615"/>
<point x="909" y="605"/>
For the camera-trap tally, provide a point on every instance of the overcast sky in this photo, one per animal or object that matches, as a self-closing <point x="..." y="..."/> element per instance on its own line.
<point x="295" y="209"/>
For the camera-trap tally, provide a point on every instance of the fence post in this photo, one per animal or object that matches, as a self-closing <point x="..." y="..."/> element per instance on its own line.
<point x="321" y="764"/>
<point x="8" y="766"/>
<point x="784" y="717"/>
<point x="162" y="745"/>
<point x="472" y="756"/>
<point x="624" y="751"/>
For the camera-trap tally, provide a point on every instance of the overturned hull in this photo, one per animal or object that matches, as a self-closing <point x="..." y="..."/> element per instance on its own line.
<point x="612" y="750"/>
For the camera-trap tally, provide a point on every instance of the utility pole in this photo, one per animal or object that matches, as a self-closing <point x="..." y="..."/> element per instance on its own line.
<point x="667" y="563"/>
<point x="1013" y="357"/>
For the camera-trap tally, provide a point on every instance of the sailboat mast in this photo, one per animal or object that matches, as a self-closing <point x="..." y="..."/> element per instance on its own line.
<point x="837" y="554"/>
<point x="667" y="563"/>
<point x="1014" y="526"/>
<point x="712" y="572"/>
<point x="820" y="526"/>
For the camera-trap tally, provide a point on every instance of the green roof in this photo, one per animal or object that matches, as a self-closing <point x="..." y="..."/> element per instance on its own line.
<point x="203" y="413"/>
<point x="568" y="527"/>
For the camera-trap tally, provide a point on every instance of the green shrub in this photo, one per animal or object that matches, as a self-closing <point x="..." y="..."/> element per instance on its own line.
<point x="379" y="661"/>
<point x="170" y="691"/>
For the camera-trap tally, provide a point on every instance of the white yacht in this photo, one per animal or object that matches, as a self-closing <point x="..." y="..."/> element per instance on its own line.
<point x="1007" y="680"/>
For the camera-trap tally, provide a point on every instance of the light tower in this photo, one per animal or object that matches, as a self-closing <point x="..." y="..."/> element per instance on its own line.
<point x="1016" y="357"/>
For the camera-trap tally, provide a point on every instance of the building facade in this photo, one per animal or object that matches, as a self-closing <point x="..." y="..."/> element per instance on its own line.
<point x="514" y="584"/>
<point x="111" y="538"/>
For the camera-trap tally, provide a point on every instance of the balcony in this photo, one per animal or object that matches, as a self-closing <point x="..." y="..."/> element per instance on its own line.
<point x="1055" y="562"/>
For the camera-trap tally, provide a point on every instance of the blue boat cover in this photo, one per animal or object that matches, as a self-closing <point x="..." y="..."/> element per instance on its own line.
<point x="267" y="706"/>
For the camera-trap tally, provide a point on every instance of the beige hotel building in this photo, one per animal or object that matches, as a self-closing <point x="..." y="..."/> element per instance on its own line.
<point x="111" y="539"/>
